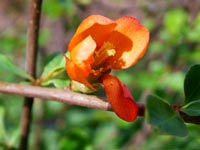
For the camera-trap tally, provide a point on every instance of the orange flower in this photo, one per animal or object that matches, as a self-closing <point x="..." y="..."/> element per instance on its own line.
<point x="101" y="44"/>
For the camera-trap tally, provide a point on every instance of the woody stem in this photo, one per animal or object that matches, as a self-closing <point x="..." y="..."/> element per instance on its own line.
<point x="69" y="97"/>
<point x="31" y="54"/>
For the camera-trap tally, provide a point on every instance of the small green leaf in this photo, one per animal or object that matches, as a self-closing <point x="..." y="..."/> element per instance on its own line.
<point x="58" y="83"/>
<point x="54" y="67"/>
<point x="7" y="65"/>
<point x="160" y="114"/>
<point x="192" y="84"/>
<point x="192" y="108"/>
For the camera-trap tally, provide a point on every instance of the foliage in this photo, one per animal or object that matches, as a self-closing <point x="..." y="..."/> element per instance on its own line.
<point x="159" y="113"/>
<point x="174" y="47"/>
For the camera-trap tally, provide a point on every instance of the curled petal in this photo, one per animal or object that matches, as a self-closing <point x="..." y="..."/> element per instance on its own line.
<point x="120" y="98"/>
<point x="76" y="73"/>
<point x="82" y="54"/>
<point x="97" y="26"/>
<point x="130" y="39"/>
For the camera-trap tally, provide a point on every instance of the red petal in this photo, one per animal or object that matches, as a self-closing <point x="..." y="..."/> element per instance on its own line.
<point x="120" y="98"/>
<point x="82" y="55"/>
<point x="76" y="73"/>
<point x="130" y="39"/>
<point x="97" y="26"/>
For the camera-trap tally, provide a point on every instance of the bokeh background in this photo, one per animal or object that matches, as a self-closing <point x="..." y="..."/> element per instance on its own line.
<point x="173" y="48"/>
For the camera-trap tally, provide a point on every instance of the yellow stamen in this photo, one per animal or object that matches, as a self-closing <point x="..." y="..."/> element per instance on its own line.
<point x="100" y="66"/>
<point x="106" y="51"/>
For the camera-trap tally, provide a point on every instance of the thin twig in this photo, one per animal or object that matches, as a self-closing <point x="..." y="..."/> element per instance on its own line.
<point x="55" y="94"/>
<point x="69" y="97"/>
<point x="31" y="55"/>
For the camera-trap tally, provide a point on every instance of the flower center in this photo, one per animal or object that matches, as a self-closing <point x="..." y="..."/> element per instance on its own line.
<point x="101" y="56"/>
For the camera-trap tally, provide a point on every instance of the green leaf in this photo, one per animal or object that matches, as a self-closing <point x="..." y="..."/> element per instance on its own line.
<point x="160" y="114"/>
<point x="7" y="65"/>
<point x="58" y="83"/>
<point x="192" y="84"/>
<point x="54" y="67"/>
<point x="192" y="108"/>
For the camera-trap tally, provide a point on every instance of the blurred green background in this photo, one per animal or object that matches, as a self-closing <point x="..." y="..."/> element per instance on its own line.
<point x="173" y="48"/>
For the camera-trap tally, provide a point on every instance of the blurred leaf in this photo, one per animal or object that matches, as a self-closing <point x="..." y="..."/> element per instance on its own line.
<point x="58" y="83"/>
<point x="192" y="84"/>
<point x="175" y="21"/>
<point x="55" y="8"/>
<point x="53" y="108"/>
<point x="157" y="67"/>
<point x="2" y="112"/>
<point x="82" y="118"/>
<point x="105" y="136"/>
<point x="146" y="80"/>
<point x="8" y="65"/>
<point x="54" y="67"/>
<point x="195" y="55"/>
<point x="8" y="43"/>
<point x="173" y="80"/>
<point x="45" y="36"/>
<point x="194" y="32"/>
<point x="156" y="47"/>
<point x="149" y="23"/>
<point x="76" y="139"/>
<point x="52" y="8"/>
<point x="3" y="133"/>
<point x="50" y="139"/>
<point x="192" y="108"/>
<point x="83" y="2"/>
<point x="160" y="114"/>
<point x="14" y="136"/>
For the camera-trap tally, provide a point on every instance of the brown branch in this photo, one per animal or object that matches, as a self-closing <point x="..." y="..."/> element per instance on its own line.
<point x="69" y="97"/>
<point x="31" y="55"/>
<point x="190" y="119"/>
<point x="55" y="94"/>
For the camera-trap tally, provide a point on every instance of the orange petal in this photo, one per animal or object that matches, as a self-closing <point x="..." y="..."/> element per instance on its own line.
<point x="120" y="98"/>
<point x="82" y="54"/>
<point x="130" y="39"/>
<point x="76" y="73"/>
<point x="99" y="27"/>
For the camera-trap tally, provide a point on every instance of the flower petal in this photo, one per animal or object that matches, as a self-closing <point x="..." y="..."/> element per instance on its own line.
<point x="76" y="73"/>
<point x="82" y="54"/>
<point x="99" y="27"/>
<point x="130" y="39"/>
<point x="120" y="98"/>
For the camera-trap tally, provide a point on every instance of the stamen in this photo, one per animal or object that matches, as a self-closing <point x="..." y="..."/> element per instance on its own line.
<point x="96" y="74"/>
<point x="100" y="66"/>
<point x="107" y="50"/>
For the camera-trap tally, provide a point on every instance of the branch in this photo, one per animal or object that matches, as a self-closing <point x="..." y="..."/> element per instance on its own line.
<point x="31" y="55"/>
<point x="55" y="94"/>
<point x="72" y="98"/>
